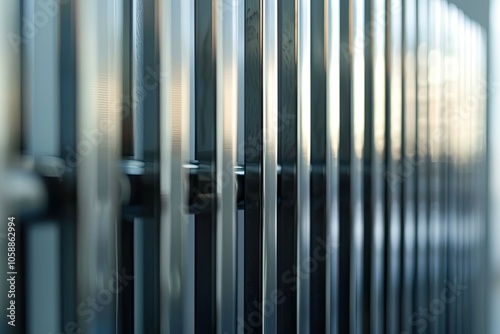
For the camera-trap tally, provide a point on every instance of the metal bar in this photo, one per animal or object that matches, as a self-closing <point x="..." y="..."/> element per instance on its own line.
<point x="126" y="307"/>
<point x="442" y="137"/>
<point x="68" y="115"/>
<point x="270" y="162"/>
<point x="435" y="141"/>
<point x="303" y="162"/>
<point x="409" y="145"/>
<point x="466" y="325"/>
<point x="483" y="181"/>
<point x="452" y="96"/>
<point x="421" y="298"/>
<point x="227" y="103"/>
<point x="345" y="153"/>
<point x="135" y="108"/>
<point x="98" y="29"/>
<point x="287" y="138"/>
<point x="375" y="197"/>
<point x="357" y="156"/>
<point x="205" y="108"/>
<point x="254" y="154"/>
<point x="369" y="175"/>
<point x="138" y="87"/>
<point x="147" y="231"/>
<point x="42" y="117"/>
<point x="461" y="276"/>
<point x="318" y="165"/>
<point x="393" y="156"/>
<point x="332" y="54"/>
<point x="176" y="304"/>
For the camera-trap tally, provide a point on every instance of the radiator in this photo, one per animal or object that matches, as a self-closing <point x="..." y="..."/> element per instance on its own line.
<point x="242" y="166"/>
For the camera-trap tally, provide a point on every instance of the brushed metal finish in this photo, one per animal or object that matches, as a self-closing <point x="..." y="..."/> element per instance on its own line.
<point x="270" y="160"/>
<point x="377" y="164"/>
<point x="394" y="150"/>
<point x="357" y="150"/>
<point x="303" y="160"/>
<point x="226" y="35"/>
<point x="332" y="43"/>
<point x="176" y="290"/>
<point x="408" y="234"/>
<point x="99" y="36"/>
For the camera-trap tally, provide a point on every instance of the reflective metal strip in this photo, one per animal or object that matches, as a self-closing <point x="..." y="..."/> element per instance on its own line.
<point x="303" y="161"/>
<point x="226" y="35"/>
<point x="332" y="45"/>
<point x="422" y="153"/>
<point x="461" y="277"/>
<point x="270" y="161"/>
<point x="435" y="108"/>
<point x="483" y="181"/>
<point x="137" y="108"/>
<point x="99" y="36"/>
<point x="442" y="138"/>
<point x="42" y="119"/>
<point x="287" y="214"/>
<point x="41" y="83"/>
<point x="254" y="154"/>
<point x="206" y="154"/>
<point x="10" y="17"/>
<point x="408" y="162"/>
<point x="452" y="118"/>
<point x="357" y="147"/>
<point x="175" y="35"/>
<point x="468" y="86"/>
<point x="377" y="165"/>
<point x="394" y="125"/>
<point x="345" y="156"/>
<point x="68" y="139"/>
<point x="317" y="278"/>
<point x="138" y="78"/>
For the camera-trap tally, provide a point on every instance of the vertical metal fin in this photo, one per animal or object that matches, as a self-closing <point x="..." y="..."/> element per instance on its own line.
<point x="175" y="34"/>
<point x="99" y="29"/>
<point x="227" y="103"/>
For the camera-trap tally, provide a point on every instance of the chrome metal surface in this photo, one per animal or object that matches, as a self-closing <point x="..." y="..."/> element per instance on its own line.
<point x="303" y="160"/>
<point x="332" y="43"/>
<point x="226" y="137"/>
<point x="270" y="160"/>
<point x="176" y="46"/>
<point x="98" y="32"/>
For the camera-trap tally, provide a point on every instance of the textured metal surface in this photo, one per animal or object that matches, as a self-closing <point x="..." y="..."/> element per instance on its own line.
<point x="270" y="161"/>
<point x="303" y="162"/>
<point x="98" y="31"/>
<point x="176" y="45"/>
<point x="393" y="155"/>
<point x="409" y="148"/>
<point x="227" y="103"/>
<point x="332" y="56"/>
<point x="249" y="166"/>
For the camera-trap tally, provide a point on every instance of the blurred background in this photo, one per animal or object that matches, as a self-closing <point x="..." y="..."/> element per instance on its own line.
<point x="249" y="166"/>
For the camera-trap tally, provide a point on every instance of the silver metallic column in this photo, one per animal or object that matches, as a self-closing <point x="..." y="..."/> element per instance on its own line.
<point x="332" y="44"/>
<point x="394" y="126"/>
<point x="99" y="36"/>
<point x="378" y="162"/>
<point x="303" y="53"/>
<point x="177" y="294"/>
<point x="270" y="161"/>
<point x="357" y="150"/>
<point x="226" y="35"/>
